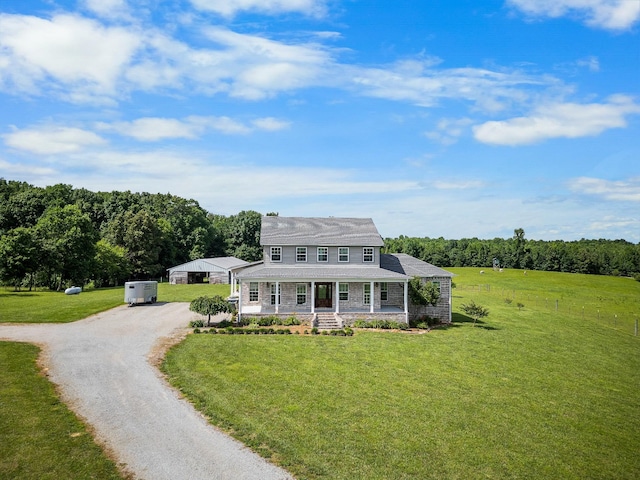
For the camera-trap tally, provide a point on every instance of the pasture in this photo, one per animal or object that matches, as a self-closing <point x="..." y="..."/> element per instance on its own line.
<point x="530" y="392"/>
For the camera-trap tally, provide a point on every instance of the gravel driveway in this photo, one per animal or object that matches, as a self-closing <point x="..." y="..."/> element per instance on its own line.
<point x="103" y="368"/>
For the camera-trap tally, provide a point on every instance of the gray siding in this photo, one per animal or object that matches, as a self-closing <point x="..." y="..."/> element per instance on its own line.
<point x="289" y="256"/>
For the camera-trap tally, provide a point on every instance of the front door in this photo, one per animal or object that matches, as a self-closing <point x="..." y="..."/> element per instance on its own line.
<point x="323" y="295"/>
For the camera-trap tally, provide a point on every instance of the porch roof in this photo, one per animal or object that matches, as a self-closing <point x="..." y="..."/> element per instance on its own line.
<point x="414" y="267"/>
<point x="329" y="272"/>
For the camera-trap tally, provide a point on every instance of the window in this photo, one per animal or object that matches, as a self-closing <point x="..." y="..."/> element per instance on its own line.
<point x="323" y="254"/>
<point x="436" y="284"/>
<point x="276" y="254"/>
<point x="301" y="294"/>
<point x="366" y="298"/>
<point x="344" y="291"/>
<point x="343" y="254"/>
<point x="384" y="291"/>
<point x="367" y="254"/>
<point x="253" y="291"/>
<point x="275" y="294"/>
<point x="301" y="254"/>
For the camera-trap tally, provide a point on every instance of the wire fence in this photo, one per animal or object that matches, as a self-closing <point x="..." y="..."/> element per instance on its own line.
<point x="623" y="321"/>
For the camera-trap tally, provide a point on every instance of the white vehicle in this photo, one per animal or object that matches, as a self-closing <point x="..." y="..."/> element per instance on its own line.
<point x="73" y="290"/>
<point x="140" y="292"/>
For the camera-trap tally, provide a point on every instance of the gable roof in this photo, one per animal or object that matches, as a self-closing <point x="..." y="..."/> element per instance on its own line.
<point x="408" y="265"/>
<point x="208" y="264"/>
<point x="330" y="231"/>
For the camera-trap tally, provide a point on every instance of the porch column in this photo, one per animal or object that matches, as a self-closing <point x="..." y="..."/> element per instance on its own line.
<point x="337" y="296"/>
<point x="277" y="297"/>
<point x="406" y="301"/>
<point x="313" y="297"/>
<point x="372" y="299"/>
<point x="240" y="303"/>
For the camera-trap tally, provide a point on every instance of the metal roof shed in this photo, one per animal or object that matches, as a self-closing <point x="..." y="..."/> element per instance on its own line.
<point x="216" y="270"/>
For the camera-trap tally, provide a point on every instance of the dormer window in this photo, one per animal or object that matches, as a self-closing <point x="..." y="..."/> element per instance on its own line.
<point x="367" y="254"/>
<point x="276" y="254"/>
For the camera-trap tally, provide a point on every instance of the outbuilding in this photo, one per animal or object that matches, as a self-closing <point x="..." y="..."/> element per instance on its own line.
<point x="212" y="270"/>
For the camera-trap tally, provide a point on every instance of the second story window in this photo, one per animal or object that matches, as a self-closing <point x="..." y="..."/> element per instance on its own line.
<point x="323" y="254"/>
<point x="301" y="254"/>
<point x="343" y="254"/>
<point x="367" y="254"/>
<point x="276" y="254"/>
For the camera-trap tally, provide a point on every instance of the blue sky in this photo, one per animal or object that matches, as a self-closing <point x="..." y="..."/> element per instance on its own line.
<point x="435" y="118"/>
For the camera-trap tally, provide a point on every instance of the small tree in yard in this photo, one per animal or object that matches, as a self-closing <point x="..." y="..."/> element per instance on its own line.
<point x="209" y="306"/>
<point x="474" y="310"/>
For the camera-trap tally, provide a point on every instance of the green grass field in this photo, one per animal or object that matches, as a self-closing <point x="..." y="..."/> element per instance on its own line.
<point x="55" y="307"/>
<point x="528" y="393"/>
<point x="39" y="437"/>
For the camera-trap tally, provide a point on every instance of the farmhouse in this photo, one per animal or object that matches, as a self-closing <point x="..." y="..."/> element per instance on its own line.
<point x="332" y="270"/>
<point x="214" y="270"/>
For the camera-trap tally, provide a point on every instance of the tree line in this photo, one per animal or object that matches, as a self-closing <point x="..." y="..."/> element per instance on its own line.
<point x="59" y="235"/>
<point x="599" y="257"/>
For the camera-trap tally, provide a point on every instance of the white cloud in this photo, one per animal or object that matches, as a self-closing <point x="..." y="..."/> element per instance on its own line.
<point x="229" y="8"/>
<point x="21" y="170"/>
<point x="620" y="190"/>
<point x="562" y="120"/>
<point x="152" y="129"/>
<point x="420" y="83"/>
<point x="605" y="14"/>
<point x="51" y="140"/>
<point x="108" y="8"/>
<point x="67" y="50"/>
<point x="449" y="130"/>
<point x="271" y="124"/>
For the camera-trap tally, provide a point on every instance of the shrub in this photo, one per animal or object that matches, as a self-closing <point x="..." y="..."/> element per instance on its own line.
<point x="196" y="323"/>
<point x="348" y="331"/>
<point x="360" y="324"/>
<point x="196" y="330"/>
<point x="314" y="331"/>
<point x="289" y="321"/>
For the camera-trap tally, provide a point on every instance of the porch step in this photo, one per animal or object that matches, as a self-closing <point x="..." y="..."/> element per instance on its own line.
<point x="328" y="321"/>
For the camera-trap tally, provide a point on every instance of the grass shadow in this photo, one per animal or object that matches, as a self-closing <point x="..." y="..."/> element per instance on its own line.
<point x="459" y="319"/>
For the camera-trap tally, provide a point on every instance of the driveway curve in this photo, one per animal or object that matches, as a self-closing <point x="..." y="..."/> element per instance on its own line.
<point x="103" y="368"/>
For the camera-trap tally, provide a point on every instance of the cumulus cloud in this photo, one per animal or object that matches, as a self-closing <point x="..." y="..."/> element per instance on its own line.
<point x="619" y="190"/>
<point x="50" y="140"/>
<point x="561" y="120"/>
<point x="67" y="49"/>
<point x="605" y="14"/>
<point x="229" y="8"/>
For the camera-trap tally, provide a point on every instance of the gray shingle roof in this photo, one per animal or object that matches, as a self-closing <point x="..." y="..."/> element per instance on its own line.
<point x="408" y="265"/>
<point x="292" y="273"/>
<point x="331" y="231"/>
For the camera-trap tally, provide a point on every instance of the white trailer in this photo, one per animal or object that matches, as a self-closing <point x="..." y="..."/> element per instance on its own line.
<point x="140" y="292"/>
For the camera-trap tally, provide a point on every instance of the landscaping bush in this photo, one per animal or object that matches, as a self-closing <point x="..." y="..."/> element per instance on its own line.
<point x="196" y="323"/>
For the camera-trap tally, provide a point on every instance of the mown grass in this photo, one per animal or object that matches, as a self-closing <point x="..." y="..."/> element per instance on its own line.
<point x="39" y="437"/>
<point x="524" y="394"/>
<point x="45" y="306"/>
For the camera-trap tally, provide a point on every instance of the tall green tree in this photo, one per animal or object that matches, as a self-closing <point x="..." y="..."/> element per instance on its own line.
<point x="68" y="240"/>
<point x="20" y="256"/>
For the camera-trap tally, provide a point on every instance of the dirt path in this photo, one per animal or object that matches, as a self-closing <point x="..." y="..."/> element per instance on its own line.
<point x="103" y="368"/>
